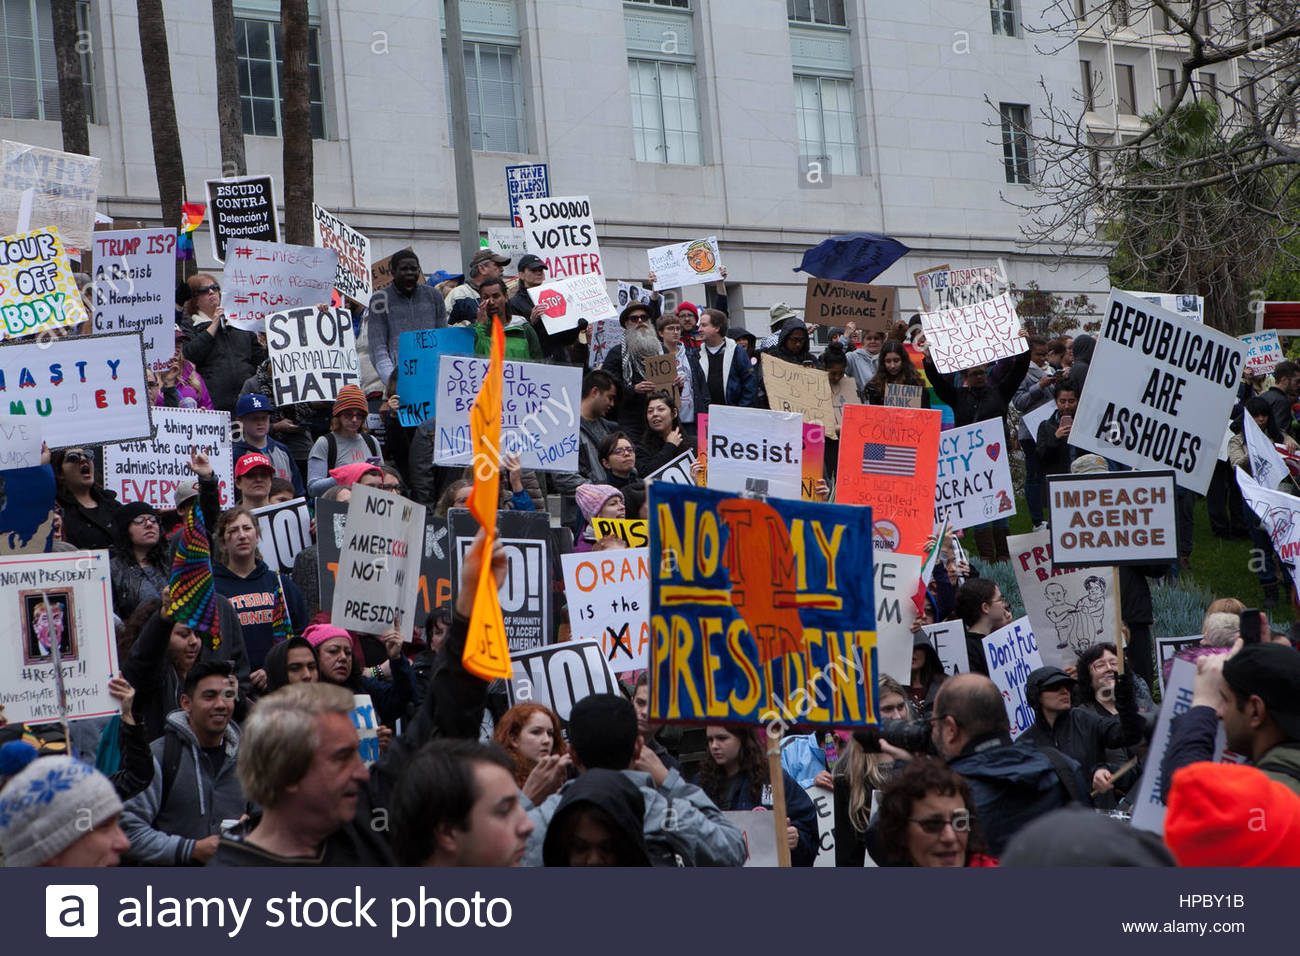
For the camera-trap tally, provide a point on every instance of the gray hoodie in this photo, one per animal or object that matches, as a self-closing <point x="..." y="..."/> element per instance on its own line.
<point x="391" y="313"/>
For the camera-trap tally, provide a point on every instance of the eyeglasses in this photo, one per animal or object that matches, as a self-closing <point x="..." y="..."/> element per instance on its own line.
<point x="141" y="520"/>
<point x="959" y="821"/>
<point x="76" y="457"/>
<point x="203" y="290"/>
<point x="623" y="450"/>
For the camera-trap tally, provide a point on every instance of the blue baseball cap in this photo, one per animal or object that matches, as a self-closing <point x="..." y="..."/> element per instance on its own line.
<point x="252" y="403"/>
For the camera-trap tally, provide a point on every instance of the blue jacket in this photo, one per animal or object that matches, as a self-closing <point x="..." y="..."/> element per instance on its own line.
<point x="1012" y="784"/>
<point x="281" y="458"/>
<point x="253" y="599"/>
<point x="738" y="373"/>
<point x="798" y="807"/>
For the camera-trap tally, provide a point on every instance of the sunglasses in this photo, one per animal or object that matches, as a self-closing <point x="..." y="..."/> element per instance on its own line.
<point x="959" y="821"/>
<point x="141" y="520"/>
<point x="353" y="414"/>
<point x="203" y="290"/>
<point x="76" y="457"/>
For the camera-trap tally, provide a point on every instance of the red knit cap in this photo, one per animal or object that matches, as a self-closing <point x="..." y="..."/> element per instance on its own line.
<point x="1232" y="815"/>
<point x="350" y="399"/>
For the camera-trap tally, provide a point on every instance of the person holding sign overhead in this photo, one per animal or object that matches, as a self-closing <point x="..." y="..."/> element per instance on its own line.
<point x="225" y="356"/>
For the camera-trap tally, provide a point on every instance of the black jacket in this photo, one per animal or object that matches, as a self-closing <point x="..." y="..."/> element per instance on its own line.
<point x="970" y="405"/>
<point x="353" y="844"/>
<point x="225" y="360"/>
<point x="619" y="799"/>
<point x="1054" y="454"/>
<point x="1279" y="409"/>
<point x="1082" y="733"/>
<point x="90" y="530"/>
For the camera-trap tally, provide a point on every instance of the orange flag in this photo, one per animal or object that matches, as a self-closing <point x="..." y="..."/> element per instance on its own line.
<point x="486" y="653"/>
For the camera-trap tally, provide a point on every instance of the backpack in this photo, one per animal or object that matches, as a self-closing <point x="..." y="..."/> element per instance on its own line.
<point x="332" y="443"/>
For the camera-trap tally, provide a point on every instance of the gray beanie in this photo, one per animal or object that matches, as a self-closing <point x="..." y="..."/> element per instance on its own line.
<point x="50" y="805"/>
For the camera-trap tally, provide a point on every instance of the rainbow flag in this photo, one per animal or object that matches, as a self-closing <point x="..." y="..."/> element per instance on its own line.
<point x="191" y="216"/>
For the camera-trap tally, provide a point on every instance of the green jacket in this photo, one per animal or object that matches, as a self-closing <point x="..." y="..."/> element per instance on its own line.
<point x="522" y="343"/>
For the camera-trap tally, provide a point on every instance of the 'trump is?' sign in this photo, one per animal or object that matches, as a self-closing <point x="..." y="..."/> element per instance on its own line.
<point x="1116" y="518"/>
<point x="135" y="275"/>
<point x="313" y="354"/>
<point x="1170" y="385"/>
<point x="974" y="334"/>
<point x="242" y="208"/>
<point x="563" y="232"/>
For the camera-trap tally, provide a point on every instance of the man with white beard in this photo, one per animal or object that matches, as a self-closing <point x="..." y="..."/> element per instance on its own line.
<point x="626" y="363"/>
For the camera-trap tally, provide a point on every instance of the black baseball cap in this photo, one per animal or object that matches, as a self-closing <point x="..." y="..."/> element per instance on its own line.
<point x="1272" y="673"/>
<point x="531" y="261"/>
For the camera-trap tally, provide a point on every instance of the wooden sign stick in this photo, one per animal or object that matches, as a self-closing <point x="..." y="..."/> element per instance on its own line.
<point x="1120" y="632"/>
<point x="777" y="779"/>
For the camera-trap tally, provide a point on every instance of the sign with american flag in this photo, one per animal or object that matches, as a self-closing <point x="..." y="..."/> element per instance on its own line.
<point x="878" y="459"/>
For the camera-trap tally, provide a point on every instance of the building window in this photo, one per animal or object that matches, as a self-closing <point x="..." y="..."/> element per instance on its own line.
<point x="1119" y="13"/>
<point x="1089" y="93"/>
<point x="29" y="73"/>
<point x="1126" y="94"/>
<point x="261" y="71"/>
<point x="1004" y="17"/>
<point x="1097" y="143"/>
<point x="1168" y="87"/>
<point x="1015" y="142"/>
<point x="679" y="4"/>
<point x="1162" y="21"/>
<point x="1210" y="86"/>
<point x="495" y="96"/>
<point x="827" y="121"/>
<point x="827" y="12"/>
<point x="665" y="118"/>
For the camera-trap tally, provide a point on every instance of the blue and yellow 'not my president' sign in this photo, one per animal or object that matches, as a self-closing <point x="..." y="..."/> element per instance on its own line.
<point x="760" y="611"/>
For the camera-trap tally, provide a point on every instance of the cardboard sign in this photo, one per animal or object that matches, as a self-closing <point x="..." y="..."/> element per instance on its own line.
<point x="888" y="460"/>
<point x="266" y="277"/>
<point x="135" y="278"/>
<point x="151" y="470"/>
<point x="824" y="801"/>
<point x="527" y="181"/>
<point x="526" y="593"/>
<point x="242" y="208"/>
<point x="381" y="272"/>
<point x="904" y="396"/>
<point x="539" y="413"/>
<point x="37" y="291"/>
<point x="631" y="531"/>
<point x="284" y="530"/>
<point x="379" y="564"/>
<point x="354" y="278"/>
<point x="948" y="638"/>
<point x="1012" y="655"/>
<point x="507" y="242"/>
<point x="27" y="510"/>
<point x="974" y="334"/>
<point x="896" y="578"/>
<point x="1069" y="609"/>
<point x="973" y="483"/>
<point x="1114" y="518"/>
<point x="629" y="292"/>
<point x="751" y="449"/>
<point x="677" y="471"/>
<point x="796" y="388"/>
<point x="563" y="233"/>
<point x="567" y="300"/>
<point x="560" y="675"/>
<point x="608" y="593"/>
<point x="602" y="338"/>
<point x="64" y="188"/>
<point x="759" y="834"/>
<point x="685" y="263"/>
<point x="418" y="354"/>
<point x="1263" y="352"/>
<point x="830" y="302"/>
<point x="760" y="611"/>
<point x="945" y="288"/>
<point x="366" y="721"/>
<point x="1170" y="386"/>
<point x="661" y="372"/>
<point x="78" y="618"/>
<point x="313" y="354"/>
<point x="21" y="442"/>
<point x="88" y="390"/>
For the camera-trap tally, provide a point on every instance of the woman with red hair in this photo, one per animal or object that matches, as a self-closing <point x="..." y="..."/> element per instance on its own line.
<point x="530" y="733"/>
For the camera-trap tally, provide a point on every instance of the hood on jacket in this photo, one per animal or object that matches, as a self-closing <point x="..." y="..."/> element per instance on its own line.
<point x="1082" y="347"/>
<point x="788" y="326"/>
<point x="612" y="799"/>
<point x="1012" y="765"/>
<point x="178" y="722"/>
<point x="276" y="663"/>
<point x="1078" y="836"/>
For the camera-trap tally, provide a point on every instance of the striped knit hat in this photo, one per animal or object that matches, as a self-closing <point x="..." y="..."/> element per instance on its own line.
<point x="350" y="399"/>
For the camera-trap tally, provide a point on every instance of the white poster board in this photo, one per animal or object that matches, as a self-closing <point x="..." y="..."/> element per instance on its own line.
<point x="284" y="529"/>
<point x="759" y="834"/>
<point x="896" y="577"/>
<point x="266" y="277"/>
<point x="946" y="288"/>
<point x="64" y="188"/>
<point x="1069" y="610"/>
<point x="135" y="278"/>
<point x="151" y="470"/>
<point x="353" y="278"/>
<point x="379" y="563"/>
<point x="974" y="334"/>
<point x="602" y="338"/>
<point x="1118" y="517"/>
<point x="313" y="354"/>
<point x="1263" y="352"/>
<point x="973" y="483"/>
<point x="681" y="264"/>
<point x="824" y="802"/>
<point x="562" y="232"/>
<point x="629" y="292"/>
<point x="21" y="441"/>
<point x="507" y="242"/>
<point x="752" y="449"/>
<point x="567" y="300"/>
<point x="1012" y="655"/>
<point x="609" y="601"/>
<point x="366" y="721"/>
<point x="677" y="471"/>
<point x="948" y="638"/>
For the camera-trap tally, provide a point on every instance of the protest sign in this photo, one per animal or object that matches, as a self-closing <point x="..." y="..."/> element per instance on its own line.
<point x="760" y="611"/>
<point x="948" y="638"/>
<point x="1036" y="416"/>
<point x="1070" y="610"/>
<point x="135" y="277"/>
<point x="1112" y="518"/>
<point x="685" y="263"/>
<point x="539" y="412"/>
<point x="507" y="242"/>
<point x="629" y="292"/>
<point x="823" y="801"/>
<point x="1012" y="655"/>
<point x="78" y="618"/>
<point x="37" y="291"/>
<point x="830" y="302"/>
<point x="631" y="531"/>
<point x="1166" y="648"/>
<point x="1263" y="352"/>
<point x="898" y="395"/>
<point x="751" y="449"/>
<point x="379" y="564"/>
<point x="313" y="354"/>
<point x="602" y="338"/>
<point x="366" y="721"/>
<point x="284" y="529"/>
<point x="1266" y="464"/>
<point x="563" y="232"/>
<point x="814" y="461"/>
<point x="151" y="470"/>
<point x="21" y="441"/>
<point x="526" y="593"/>
<point x="608" y="593"/>
<point x="945" y="288"/>
<point x="526" y="181"/>
<point x="677" y="471"/>
<point x="795" y="388"/>
<point x="974" y="334"/>
<point x="87" y="390"/>
<point x="1191" y="307"/>
<point x="888" y="460"/>
<point x="1279" y="513"/>
<point x="661" y="372"/>
<point x="381" y="271"/>
<point x="897" y="576"/>
<point x="759" y="834"/>
<point x="64" y="188"/>
<point x="973" y="481"/>
<point x="418" y="353"/>
<point x="1170" y="386"/>
<point x="565" y="301"/>
<point x="353" y="278"/>
<point x="266" y="277"/>
<point x="560" y="675"/>
<point x="243" y="207"/>
<point x="27" y="510"/>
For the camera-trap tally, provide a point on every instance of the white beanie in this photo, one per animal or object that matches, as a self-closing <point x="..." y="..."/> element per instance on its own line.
<point x="50" y="805"/>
